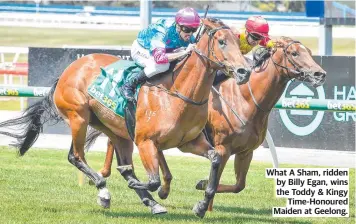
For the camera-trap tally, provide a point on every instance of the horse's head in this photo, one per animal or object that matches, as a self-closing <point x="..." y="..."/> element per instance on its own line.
<point x="221" y="47"/>
<point x="297" y="62"/>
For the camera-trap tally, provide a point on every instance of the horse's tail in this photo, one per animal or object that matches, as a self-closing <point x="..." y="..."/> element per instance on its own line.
<point x="92" y="135"/>
<point x="30" y="124"/>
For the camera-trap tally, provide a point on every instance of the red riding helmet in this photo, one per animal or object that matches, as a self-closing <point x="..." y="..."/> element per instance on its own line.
<point x="258" y="25"/>
<point x="188" y="17"/>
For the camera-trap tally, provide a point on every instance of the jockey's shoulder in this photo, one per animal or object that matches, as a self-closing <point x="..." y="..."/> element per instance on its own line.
<point x="162" y="25"/>
<point x="166" y="22"/>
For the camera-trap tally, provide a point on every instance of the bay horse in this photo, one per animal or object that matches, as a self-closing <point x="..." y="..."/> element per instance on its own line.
<point x="238" y="114"/>
<point x="169" y="113"/>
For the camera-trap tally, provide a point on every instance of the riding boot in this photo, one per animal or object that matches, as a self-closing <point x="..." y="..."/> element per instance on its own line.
<point x="129" y="88"/>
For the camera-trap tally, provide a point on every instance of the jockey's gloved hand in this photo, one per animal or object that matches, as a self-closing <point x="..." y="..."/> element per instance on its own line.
<point x="190" y="48"/>
<point x="260" y="55"/>
<point x="179" y="50"/>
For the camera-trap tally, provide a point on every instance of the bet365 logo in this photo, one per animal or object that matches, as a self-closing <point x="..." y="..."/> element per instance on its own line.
<point x="302" y="122"/>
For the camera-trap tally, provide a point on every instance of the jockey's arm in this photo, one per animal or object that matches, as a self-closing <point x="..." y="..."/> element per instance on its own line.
<point x="161" y="57"/>
<point x="159" y="50"/>
<point x="175" y="56"/>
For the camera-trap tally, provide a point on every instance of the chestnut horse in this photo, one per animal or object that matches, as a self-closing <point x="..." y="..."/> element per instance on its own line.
<point x="238" y="114"/>
<point x="169" y="114"/>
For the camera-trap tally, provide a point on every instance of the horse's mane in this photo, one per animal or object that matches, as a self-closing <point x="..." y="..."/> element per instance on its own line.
<point x="216" y="21"/>
<point x="280" y="42"/>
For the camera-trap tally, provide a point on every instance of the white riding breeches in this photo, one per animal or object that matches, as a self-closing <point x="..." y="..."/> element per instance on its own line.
<point x="142" y="57"/>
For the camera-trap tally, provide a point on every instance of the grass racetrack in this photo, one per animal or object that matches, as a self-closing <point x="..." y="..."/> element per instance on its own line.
<point x="42" y="187"/>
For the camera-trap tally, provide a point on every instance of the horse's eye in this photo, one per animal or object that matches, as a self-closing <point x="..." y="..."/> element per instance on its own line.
<point x="294" y="54"/>
<point x="222" y="43"/>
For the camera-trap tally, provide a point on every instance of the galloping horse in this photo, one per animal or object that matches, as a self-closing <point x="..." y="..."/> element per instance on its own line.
<point x="169" y="114"/>
<point x="237" y="124"/>
<point x="253" y="102"/>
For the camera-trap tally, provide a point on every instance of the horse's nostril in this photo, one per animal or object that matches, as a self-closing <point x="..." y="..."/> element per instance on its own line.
<point x="319" y="74"/>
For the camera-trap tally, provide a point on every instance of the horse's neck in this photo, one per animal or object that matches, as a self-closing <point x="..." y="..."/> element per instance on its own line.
<point x="266" y="87"/>
<point x="194" y="80"/>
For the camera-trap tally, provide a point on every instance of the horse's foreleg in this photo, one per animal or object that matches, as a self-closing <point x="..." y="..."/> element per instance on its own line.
<point x="200" y="146"/>
<point x="78" y="124"/>
<point x="124" y="150"/>
<point x="164" y="189"/>
<point x="150" y="159"/>
<point x="225" y="155"/>
<point x="242" y="164"/>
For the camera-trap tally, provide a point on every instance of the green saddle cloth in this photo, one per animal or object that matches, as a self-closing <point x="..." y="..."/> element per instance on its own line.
<point x="105" y="87"/>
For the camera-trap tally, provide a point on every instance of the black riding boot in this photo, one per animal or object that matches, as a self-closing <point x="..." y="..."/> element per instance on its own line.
<point x="128" y="89"/>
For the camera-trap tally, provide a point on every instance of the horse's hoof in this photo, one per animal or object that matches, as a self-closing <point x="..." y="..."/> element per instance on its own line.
<point x="104" y="198"/>
<point x="162" y="194"/>
<point x="199" y="209"/>
<point x="201" y="185"/>
<point x="158" y="209"/>
<point x="103" y="202"/>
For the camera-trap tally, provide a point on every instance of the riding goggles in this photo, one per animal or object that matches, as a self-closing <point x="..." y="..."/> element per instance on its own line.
<point x="255" y="37"/>
<point x="188" y="29"/>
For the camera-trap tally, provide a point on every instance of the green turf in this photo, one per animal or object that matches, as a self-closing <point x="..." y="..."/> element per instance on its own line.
<point x="42" y="187"/>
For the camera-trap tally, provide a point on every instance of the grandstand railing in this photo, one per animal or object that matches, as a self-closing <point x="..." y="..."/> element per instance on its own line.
<point x="135" y="12"/>
<point x="116" y="18"/>
<point x="88" y="17"/>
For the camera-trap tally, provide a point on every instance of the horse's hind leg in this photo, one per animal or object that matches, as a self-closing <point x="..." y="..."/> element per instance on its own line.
<point x="78" y="124"/>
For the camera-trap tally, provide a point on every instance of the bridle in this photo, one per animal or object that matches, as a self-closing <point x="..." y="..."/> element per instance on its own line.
<point x="296" y="70"/>
<point x="211" y="34"/>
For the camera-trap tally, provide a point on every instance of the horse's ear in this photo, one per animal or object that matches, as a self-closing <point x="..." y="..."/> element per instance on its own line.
<point x="235" y="30"/>
<point x="208" y="24"/>
<point x="310" y="52"/>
